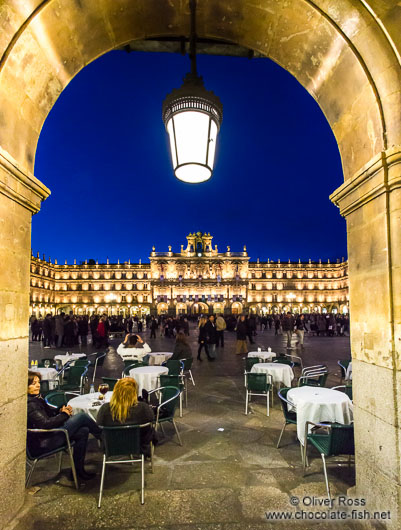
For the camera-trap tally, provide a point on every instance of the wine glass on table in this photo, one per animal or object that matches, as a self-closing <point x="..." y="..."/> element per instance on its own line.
<point x="46" y="363"/>
<point x="103" y="389"/>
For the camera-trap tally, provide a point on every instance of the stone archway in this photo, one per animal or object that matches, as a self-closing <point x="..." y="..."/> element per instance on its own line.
<point x="348" y="57"/>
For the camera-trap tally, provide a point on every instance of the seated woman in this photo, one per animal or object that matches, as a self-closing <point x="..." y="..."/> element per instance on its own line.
<point x="125" y="409"/>
<point x="182" y="350"/>
<point x="41" y="416"/>
<point x="133" y="348"/>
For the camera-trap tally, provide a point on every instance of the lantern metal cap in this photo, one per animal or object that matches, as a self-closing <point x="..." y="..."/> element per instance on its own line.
<point x="192" y="95"/>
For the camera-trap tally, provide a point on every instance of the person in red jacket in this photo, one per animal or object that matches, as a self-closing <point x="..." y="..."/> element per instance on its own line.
<point x="102" y="334"/>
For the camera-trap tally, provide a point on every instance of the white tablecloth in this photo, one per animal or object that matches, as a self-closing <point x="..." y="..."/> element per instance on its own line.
<point x="147" y="376"/>
<point x="48" y="374"/>
<point x="281" y="373"/>
<point x="158" y="357"/>
<point x="265" y="355"/>
<point x="84" y="403"/>
<point x="71" y="357"/>
<point x="348" y="373"/>
<point x="319" y="404"/>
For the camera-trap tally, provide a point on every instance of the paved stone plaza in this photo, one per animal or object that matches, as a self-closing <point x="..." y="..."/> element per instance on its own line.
<point x="219" y="479"/>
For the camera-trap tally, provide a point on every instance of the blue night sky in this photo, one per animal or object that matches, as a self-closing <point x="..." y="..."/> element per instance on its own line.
<point x="104" y="154"/>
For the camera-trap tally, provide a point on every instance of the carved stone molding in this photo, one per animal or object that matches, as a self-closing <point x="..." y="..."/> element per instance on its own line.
<point x="20" y="186"/>
<point x="381" y="175"/>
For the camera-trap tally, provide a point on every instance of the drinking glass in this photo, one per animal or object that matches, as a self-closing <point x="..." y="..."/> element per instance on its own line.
<point x="103" y="389"/>
<point x="46" y="364"/>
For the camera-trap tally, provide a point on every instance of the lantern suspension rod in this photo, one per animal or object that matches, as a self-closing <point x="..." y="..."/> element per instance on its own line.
<point x="192" y="37"/>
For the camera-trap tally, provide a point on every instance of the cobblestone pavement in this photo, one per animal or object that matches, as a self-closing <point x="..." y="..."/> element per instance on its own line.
<point x="228" y="472"/>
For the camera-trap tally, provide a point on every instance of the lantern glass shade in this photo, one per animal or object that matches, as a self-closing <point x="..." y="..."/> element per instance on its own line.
<point x="193" y="137"/>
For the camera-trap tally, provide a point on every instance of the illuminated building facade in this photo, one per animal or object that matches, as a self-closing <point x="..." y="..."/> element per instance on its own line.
<point x="198" y="279"/>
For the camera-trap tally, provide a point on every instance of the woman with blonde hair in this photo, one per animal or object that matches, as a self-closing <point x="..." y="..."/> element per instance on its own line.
<point x="125" y="409"/>
<point x="202" y="340"/>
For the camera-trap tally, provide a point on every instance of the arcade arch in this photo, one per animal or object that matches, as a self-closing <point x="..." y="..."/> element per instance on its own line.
<point x="348" y="58"/>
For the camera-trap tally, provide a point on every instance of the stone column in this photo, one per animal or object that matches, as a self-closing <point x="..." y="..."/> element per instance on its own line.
<point x="371" y="204"/>
<point x="20" y="196"/>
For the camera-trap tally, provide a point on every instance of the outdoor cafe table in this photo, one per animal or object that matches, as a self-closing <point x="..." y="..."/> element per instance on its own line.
<point x="281" y="373"/>
<point x="265" y="355"/>
<point x="70" y="357"/>
<point x="147" y="376"/>
<point x="158" y="357"/>
<point x="84" y="403"/>
<point x="319" y="404"/>
<point x="48" y="374"/>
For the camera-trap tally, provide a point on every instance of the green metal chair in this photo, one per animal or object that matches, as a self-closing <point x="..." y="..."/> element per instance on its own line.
<point x="169" y="397"/>
<point x="56" y="399"/>
<point x="175" y="367"/>
<point x="176" y="381"/>
<point x="290" y="416"/>
<point x="99" y="361"/>
<point x="257" y="385"/>
<point x="123" y="441"/>
<point x="250" y="361"/>
<point x="343" y="364"/>
<point x="81" y="362"/>
<point x="284" y="360"/>
<point x="75" y="379"/>
<point x="32" y="459"/>
<point x="347" y="389"/>
<point x="41" y="363"/>
<point x="314" y="376"/>
<point x="337" y="440"/>
<point x="110" y="381"/>
<point x="186" y="371"/>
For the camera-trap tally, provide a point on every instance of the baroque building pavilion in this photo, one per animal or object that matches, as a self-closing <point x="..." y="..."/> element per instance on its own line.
<point x="198" y="279"/>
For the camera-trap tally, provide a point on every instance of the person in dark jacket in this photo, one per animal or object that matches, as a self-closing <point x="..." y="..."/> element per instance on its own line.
<point x="288" y="327"/>
<point x="42" y="416"/>
<point x="182" y="350"/>
<point x="83" y="330"/>
<point x="202" y="339"/>
<point x="242" y="332"/>
<point x="47" y="331"/>
<point x="211" y="333"/>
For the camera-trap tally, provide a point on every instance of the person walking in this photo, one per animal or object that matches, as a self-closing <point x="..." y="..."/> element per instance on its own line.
<point x="300" y="332"/>
<point x="220" y="327"/>
<point x="288" y="327"/>
<point x="211" y="337"/>
<point x="242" y="331"/>
<point x="153" y="328"/>
<point x="202" y="340"/>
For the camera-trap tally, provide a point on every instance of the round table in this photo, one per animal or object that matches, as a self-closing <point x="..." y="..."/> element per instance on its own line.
<point x="265" y="355"/>
<point x="48" y="374"/>
<point x="147" y="376"/>
<point x="281" y="373"/>
<point x="158" y="357"/>
<point x="71" y="357"/>
<point x="319" y="404"/>
<point x="84" y="402"/>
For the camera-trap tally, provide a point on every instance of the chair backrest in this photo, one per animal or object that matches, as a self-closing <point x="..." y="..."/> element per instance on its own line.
<point x="169" y="399"/>
<point x="169" y="380"/>
<point x="348" y="391"/>
<point x="187" y="363"/>
<point x="282" y="394"/>
<point x="135" y="364"/>
<point x="257" y="382"/>
<point x="122" y="440"/>
<point x="41" y="363"/>
<point x="174" y="367"/>
<point x="100" y="357"/>
<point x="81" y="362"/>
<point x="110" y="381"/>
<point x="249" y="362"/>
<point x="56" y="399"/>
<point x="342" y="439"/>
<point x="44" y="387"/>
<point x="284" y="360"/>
<point x="75" y="373"/>
<point x="343" y="364"/>
<point x="129" y="363"/>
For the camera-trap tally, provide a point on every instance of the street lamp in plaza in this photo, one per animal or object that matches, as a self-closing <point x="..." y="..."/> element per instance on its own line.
<point x="192" y="116"/>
